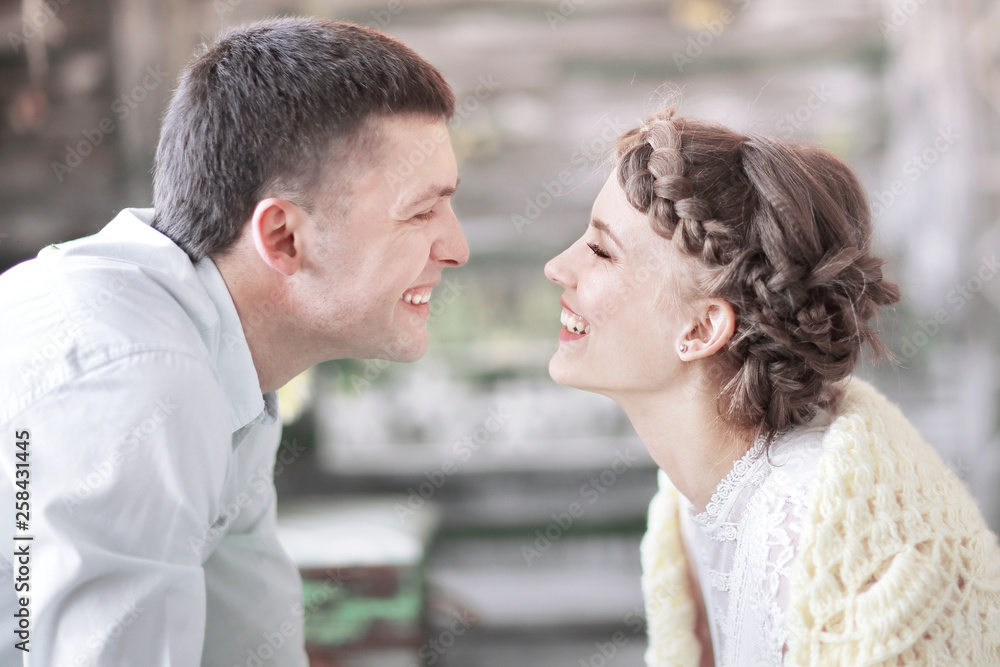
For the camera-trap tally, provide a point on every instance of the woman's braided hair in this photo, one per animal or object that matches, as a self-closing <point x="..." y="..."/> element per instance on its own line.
<point x="783" y="233"/>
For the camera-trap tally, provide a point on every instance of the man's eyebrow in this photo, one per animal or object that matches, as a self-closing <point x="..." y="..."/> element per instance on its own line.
<point x="602" y="226"/>
<point x="433" y="192"/>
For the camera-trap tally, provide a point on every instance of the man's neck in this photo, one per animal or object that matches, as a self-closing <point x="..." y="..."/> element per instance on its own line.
<point x="276" y="356"/>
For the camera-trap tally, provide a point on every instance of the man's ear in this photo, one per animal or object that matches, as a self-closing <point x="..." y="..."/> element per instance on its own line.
<point x="277" y="226"/>
<point x="713" y="326"/>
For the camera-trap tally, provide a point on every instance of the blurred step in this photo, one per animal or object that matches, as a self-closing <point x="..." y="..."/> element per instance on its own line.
<point x="572" y="600"/>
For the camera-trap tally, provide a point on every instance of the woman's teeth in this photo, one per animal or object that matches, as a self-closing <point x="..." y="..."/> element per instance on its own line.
<point x="574" y="323"/>
<point x="417" y="298"/>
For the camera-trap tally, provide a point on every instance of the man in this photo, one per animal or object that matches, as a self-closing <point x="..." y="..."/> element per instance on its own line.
<point x="302" y="213"/>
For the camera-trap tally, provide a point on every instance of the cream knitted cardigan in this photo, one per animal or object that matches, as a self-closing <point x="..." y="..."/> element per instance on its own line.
<point x="896" y="566"/>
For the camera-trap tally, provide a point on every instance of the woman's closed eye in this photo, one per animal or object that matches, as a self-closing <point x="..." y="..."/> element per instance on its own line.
<point x="599" y="251"/>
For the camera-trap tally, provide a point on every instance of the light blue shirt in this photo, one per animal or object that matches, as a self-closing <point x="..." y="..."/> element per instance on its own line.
<point x="150" y="454"/>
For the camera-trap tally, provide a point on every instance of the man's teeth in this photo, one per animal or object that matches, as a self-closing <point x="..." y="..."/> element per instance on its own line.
<point x="417" y="298"/>
<point x="574" y="323"/>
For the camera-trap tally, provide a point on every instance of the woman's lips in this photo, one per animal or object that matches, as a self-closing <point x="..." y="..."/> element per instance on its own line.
<point x="575" y="327"/>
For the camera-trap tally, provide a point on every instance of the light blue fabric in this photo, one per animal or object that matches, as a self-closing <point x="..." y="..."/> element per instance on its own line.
<point x="151" y="453"/>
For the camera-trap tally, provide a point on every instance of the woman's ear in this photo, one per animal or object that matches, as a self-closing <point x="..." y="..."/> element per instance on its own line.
<point x="709" y="331"/>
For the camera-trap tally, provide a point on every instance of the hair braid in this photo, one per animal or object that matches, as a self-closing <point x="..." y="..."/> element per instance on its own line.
<point x="783" y="233"/>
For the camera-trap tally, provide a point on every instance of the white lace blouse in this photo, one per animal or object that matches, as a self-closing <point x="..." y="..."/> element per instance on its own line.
<point x="744" y="543"/>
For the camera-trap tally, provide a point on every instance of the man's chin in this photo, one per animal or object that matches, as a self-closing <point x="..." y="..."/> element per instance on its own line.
<point x="410" y="356"/>
<point x="407" y="348"/>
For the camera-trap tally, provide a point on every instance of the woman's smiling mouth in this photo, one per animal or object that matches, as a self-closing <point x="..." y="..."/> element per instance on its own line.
<point x="574" y="326"/>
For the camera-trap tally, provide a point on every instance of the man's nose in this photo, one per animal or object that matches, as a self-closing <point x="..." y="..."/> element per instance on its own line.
<point x="451" y="248"/>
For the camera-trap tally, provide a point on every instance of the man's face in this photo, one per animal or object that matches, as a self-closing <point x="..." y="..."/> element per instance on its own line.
<point x="375" y="262"/>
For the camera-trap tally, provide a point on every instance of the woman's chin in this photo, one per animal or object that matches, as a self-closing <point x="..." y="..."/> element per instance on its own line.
<point x="563" y="373"/>
<point x="557" y="372"/>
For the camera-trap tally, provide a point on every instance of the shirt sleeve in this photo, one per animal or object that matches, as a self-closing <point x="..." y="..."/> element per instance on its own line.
<point x="255" y="610"/>
<point x="127" y="465"/>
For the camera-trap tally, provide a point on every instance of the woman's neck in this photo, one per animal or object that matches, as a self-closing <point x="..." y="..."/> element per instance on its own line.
<point x="687" y="439"/>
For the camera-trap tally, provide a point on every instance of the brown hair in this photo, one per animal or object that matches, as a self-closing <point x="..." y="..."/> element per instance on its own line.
<point x="264" y="109"/>
<point x="783" y="233"/>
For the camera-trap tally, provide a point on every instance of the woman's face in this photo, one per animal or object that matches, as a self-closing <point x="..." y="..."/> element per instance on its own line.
<point x="622" y="322"/>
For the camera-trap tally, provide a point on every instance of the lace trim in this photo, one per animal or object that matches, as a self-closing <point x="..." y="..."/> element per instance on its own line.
<point x="720" y="581"/>
<point x="746" y="581"/>
<point x="730" y="483"/>
<point x="725" y="532"/>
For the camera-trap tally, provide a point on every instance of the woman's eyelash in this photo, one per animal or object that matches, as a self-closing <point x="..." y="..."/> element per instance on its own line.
<point x="599" y="251"/>
<point x="425" y="216"/>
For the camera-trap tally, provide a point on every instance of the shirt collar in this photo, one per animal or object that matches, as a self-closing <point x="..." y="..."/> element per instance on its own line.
<point x="236" y="370"/>
<point x="227" y="343"/>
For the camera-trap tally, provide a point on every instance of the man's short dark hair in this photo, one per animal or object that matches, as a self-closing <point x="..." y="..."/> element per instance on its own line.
<point x="259" y="113"/>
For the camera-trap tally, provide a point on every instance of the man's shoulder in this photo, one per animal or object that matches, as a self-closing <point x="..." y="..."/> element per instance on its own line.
<point x="70" y="312"/>
<point x="105" y="301"/>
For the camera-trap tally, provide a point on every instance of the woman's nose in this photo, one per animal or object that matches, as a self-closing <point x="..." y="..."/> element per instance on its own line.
<point x="558" y="269"/>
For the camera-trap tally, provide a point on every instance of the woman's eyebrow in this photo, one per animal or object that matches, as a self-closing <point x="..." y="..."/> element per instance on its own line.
<point x="602" y="226"/>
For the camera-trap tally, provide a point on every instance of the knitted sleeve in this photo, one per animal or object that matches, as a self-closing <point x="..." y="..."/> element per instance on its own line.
<point x="670" y="612"/>
<point x="896" y="564"/>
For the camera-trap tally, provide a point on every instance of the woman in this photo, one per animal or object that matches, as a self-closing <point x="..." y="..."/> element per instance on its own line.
<point x="721" y="295"/>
